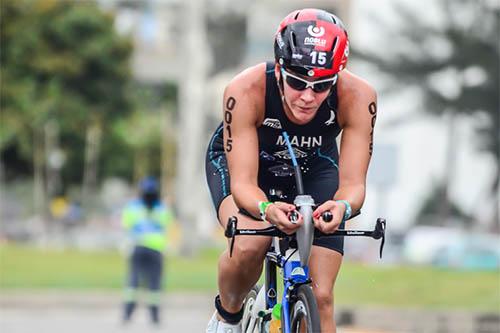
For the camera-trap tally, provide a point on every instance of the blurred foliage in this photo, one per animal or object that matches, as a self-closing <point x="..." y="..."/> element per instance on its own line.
<point x="433" y="205"/>
<point x="63" y="60"/>
<point x="357" y="285"/>
<point x="145" y="130"/>
<point x="465" y="47"/>
<point x="60" y="60"/>
<point x="141" y="132"/>
<point x="454" y="64"/>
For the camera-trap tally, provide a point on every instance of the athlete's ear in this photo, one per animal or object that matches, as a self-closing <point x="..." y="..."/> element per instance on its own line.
<point x="277" y="73"/>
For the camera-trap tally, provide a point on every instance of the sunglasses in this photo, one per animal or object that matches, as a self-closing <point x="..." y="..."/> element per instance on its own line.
<point x="300" y="84"/>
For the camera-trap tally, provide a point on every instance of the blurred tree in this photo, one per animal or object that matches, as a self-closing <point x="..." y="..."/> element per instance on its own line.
<point x="149" y="133"/>
<point x="432" y="205"/>
<point x="62" y="61"/>
<point x="226" y="27"/>
<point x="455" y="66"/>
<point x="141" y="131"/>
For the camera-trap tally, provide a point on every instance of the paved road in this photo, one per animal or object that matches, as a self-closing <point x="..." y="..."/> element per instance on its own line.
<point x="100" y="312"/>
<point x="94" y="312"/>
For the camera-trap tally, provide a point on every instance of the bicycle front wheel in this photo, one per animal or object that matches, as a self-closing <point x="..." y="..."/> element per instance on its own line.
<point x="248" y="323"/>
<point x="304" y="314"/>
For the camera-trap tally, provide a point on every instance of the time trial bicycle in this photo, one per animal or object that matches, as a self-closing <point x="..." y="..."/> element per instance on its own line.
<point x="298" y="310"/>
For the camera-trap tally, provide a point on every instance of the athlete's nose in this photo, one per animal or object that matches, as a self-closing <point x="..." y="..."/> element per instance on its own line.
<point x="308" y="95"/>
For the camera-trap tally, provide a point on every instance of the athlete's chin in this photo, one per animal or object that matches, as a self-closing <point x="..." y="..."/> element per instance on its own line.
<point x="304" y="115"/>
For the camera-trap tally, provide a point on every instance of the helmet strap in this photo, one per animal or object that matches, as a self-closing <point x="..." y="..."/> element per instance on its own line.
<point x="281" y="89"/>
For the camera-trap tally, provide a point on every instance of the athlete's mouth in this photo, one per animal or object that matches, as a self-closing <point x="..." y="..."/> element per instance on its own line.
<point x="306" y="109"/>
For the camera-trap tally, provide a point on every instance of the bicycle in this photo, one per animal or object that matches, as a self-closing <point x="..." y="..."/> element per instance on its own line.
<point x="290" y="253"/>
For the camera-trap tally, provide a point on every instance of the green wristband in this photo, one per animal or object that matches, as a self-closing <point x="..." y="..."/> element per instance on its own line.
<point x="262" y="208"/>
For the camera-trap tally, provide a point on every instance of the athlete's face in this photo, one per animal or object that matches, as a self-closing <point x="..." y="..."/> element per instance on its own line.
<point x="301" y="105"/>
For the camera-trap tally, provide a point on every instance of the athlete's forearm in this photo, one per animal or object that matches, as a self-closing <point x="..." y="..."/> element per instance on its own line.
<point x="354" y="194"/>
<point x="248" y="196"/>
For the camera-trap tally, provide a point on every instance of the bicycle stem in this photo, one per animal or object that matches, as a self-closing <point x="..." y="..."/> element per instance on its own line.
<point x="305" y="204"/>
<point x="305" y="234"/>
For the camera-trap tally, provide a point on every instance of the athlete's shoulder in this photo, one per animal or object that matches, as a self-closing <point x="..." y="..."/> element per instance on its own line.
<point x="352" y="87"/>
<point x="246" y="92"/>
<point x="251" y="81"/>
<point x="354" y="94"/>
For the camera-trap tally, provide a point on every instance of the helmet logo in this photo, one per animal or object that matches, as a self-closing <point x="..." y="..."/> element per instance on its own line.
<point x="315" y="31"/>
<point x="310" y="72"/>
<point x="279" y="40"/>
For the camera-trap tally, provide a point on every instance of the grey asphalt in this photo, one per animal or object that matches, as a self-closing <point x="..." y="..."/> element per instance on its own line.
<point x="96" y="312"/>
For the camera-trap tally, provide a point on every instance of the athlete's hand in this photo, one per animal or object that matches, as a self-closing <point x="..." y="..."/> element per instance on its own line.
<point x="278" y="213"/>
<point x="336" y="208"/>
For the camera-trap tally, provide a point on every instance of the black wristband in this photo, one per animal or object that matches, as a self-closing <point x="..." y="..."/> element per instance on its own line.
<point x="230" y="318"/>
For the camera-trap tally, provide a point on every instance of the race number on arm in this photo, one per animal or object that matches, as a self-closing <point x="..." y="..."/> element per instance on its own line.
<point x="357" y="116"/>
<point x="243" y="110"/>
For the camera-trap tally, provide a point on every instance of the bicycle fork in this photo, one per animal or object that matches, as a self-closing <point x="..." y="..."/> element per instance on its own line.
<point x="294" y="275"/>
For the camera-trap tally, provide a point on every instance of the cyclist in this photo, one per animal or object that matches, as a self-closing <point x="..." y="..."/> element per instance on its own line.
<point x="146" y="220"/>
<point x="308" y="93"/>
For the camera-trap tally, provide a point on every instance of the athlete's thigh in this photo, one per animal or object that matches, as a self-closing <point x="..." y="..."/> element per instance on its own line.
<point x="259" y="244"/>
<point x="324" y="266"/>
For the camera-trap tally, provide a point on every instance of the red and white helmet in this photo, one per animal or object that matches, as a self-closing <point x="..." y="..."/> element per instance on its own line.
<point x="312" y="42"/>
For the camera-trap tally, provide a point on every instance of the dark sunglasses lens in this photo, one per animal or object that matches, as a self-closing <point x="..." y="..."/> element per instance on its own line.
<point x="322" y="87"/>
<point x="295" y="84"/>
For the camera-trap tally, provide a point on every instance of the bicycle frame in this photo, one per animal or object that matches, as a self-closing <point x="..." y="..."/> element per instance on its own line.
<point x="288" y="259"/>
<point x="294" y="274"/>
<point x="292" y="260"/>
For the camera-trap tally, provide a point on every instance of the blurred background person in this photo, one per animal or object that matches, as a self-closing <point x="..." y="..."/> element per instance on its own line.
<point x="146" y="219"/>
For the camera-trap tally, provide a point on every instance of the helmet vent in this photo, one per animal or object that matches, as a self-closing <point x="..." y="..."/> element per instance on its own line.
<point x="293" y="39"/>
<point x="296" y="15"/>
<point x="334" y="20"/>
<point x="334" y="45"/>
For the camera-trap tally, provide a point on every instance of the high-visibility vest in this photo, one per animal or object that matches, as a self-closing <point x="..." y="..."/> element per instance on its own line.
<point x="147" y="227"/>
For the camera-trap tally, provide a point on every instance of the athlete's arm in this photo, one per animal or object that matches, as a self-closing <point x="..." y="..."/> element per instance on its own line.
<point x="357" y="115"/>
<point x="243" y="110"/>
<point x="240" y="117"/>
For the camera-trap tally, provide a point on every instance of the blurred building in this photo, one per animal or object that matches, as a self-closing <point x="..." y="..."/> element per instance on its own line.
<point x="238" y="32"/>
<point x="202" y="44"/>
